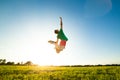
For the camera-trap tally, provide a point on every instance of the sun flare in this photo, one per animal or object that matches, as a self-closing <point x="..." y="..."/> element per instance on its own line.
<point x="34" y="46"/>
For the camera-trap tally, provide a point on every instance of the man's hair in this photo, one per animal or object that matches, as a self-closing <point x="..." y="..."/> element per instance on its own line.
<point x="56" y="31"/>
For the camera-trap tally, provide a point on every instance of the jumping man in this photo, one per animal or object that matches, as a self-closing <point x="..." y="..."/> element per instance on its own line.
<point x="61" y="38"/>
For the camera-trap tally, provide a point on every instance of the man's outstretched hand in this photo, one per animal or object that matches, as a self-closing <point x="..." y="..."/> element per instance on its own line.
<point x="60" y="18"/>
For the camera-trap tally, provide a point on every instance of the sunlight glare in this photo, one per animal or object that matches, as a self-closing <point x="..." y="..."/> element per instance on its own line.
<point x="33" y="45"/>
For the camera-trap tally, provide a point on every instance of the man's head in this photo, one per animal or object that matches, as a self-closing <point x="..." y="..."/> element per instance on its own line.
<point x="56" y="31"/>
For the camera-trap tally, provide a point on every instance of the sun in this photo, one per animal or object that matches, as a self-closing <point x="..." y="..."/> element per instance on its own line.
<point x="34" y="46"/>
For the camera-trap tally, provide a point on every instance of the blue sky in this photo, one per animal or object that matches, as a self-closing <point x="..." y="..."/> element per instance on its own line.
<point x="92" y="27"/>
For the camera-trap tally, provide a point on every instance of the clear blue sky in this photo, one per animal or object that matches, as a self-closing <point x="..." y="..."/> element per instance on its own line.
<point x="92" y="27"/>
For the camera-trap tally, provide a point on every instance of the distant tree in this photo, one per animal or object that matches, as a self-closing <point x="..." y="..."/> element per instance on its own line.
<point x="2" y="61"/>
<point x="21" y="63"/>
<point x="10" y="63"/>
<point x="18" y="63"/>
<point x="28" y="63"/>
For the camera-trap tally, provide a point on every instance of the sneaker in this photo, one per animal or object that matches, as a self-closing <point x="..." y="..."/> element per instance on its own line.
<point x="52" y="42"/>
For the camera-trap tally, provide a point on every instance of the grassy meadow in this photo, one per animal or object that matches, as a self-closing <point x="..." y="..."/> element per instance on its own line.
<point x="59" y="73"/>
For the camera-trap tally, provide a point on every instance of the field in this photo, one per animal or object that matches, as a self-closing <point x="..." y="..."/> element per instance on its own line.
<point x="59" y="73"/>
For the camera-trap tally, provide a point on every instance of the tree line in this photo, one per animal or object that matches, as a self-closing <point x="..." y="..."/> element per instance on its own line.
<point x="29" y="63"/>
<point x="5" y="62"/>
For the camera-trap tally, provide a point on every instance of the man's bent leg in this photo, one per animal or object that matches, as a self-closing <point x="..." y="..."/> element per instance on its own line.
<point x="57" y="48"/>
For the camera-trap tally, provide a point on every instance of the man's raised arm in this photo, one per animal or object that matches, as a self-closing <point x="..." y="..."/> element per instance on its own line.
<point x="61" y="23"/>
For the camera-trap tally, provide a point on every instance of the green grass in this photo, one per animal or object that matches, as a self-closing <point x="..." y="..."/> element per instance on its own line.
<point x="59" y="73"/>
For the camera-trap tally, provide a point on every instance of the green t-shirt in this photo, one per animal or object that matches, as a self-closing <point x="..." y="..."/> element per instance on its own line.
<point x="61" y="35"/>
